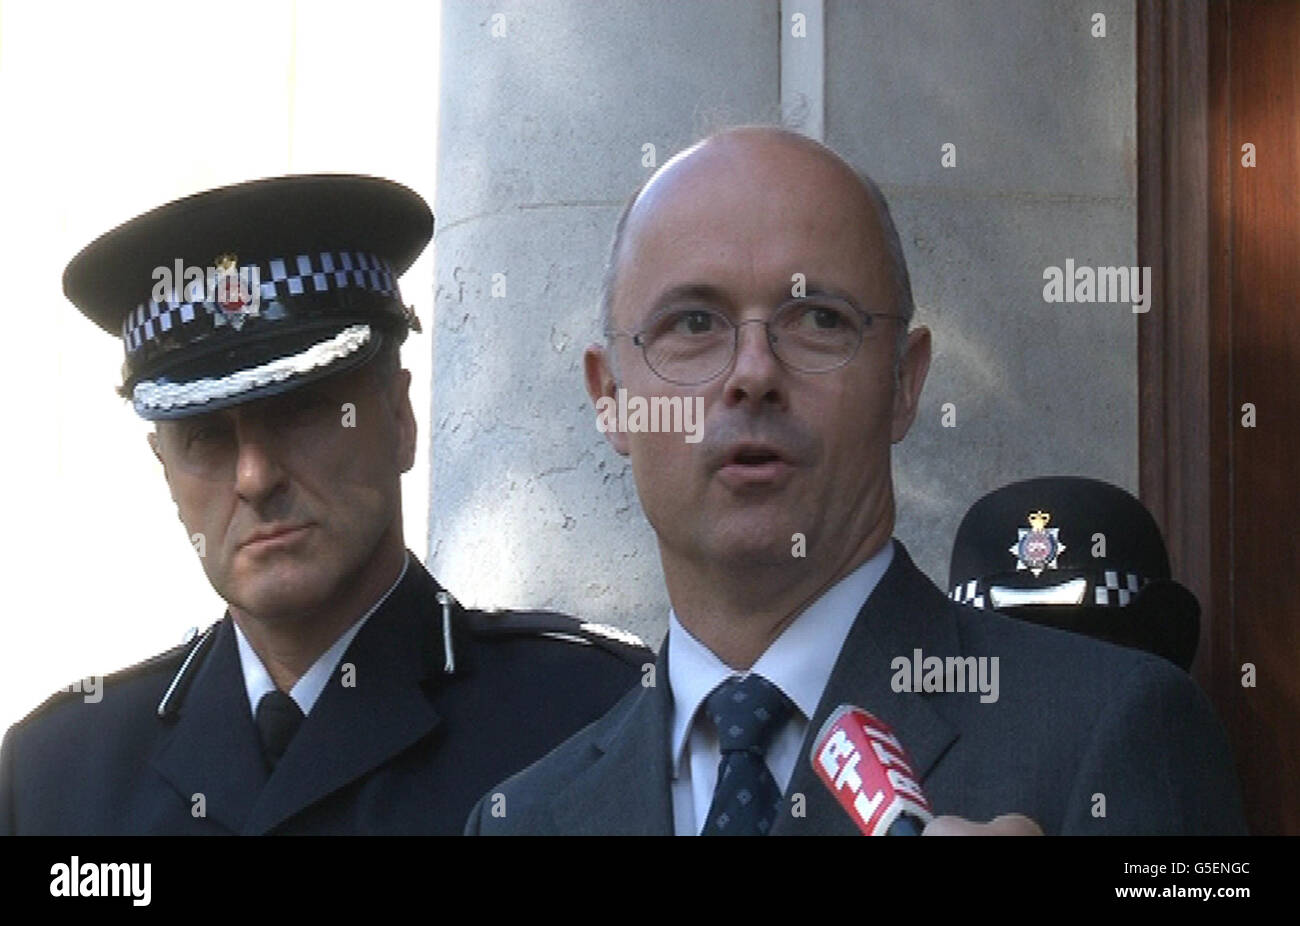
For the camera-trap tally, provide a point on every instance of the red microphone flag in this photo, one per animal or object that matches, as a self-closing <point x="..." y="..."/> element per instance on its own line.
<point x="862" y="763"/>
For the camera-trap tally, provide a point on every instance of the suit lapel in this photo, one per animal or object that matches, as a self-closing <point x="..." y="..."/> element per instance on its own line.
<point x="903" y="613"/>
<point x="627" y="790"/>
<point x="213" y="749"/>
<point x="354" y="729"/>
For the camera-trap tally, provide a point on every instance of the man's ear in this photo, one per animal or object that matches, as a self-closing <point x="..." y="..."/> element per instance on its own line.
<point x="407" y="430"/>
<point x="155" y="444"/>
<point x="603" y="389"/>
<point x="912" y="368"/>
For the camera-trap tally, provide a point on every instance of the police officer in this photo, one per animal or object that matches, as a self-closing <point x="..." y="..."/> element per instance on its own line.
<point x="343" y="691"/>
<point x="1079" y="554"/>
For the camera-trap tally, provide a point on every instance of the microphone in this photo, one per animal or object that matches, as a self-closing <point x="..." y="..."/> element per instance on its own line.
<point x="860" y="761"/>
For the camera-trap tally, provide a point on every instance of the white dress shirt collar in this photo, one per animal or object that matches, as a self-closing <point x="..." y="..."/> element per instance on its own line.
<point x="307" y="690"/>
<point x="799" y="661"/>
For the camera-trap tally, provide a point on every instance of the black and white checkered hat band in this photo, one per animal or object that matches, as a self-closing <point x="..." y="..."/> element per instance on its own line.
<point x="1111" y="592"/>
<point x="1115" y="590"/>
<point x="278" y="278"/>
<point x="971" y="593"/>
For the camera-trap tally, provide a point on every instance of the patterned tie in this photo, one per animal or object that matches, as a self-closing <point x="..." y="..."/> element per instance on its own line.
<point x="278" y="719"/>
<point x="747" y="712"/>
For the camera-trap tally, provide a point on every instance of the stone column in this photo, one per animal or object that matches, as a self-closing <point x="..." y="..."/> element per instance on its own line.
<point x="552" y="114"/>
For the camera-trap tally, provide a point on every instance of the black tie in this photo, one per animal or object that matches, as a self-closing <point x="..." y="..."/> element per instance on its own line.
<point x="278" y="719"/>
<point x="747" y="712"/>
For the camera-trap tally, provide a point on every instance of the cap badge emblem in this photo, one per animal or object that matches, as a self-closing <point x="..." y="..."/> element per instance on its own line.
<point x="237" y="292"/>
<point x="1038" y="545"/>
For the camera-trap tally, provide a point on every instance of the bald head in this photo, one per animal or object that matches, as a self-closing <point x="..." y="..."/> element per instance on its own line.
<point x="753" y="161"/>
<point x="759" y="277"/>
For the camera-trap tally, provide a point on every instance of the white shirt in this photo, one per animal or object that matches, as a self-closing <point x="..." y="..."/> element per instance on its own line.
<point x="307" y="690"/>
<point x="799" y="662"/>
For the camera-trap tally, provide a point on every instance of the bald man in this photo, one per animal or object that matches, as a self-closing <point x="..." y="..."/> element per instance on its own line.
<point x="759" y="276"/>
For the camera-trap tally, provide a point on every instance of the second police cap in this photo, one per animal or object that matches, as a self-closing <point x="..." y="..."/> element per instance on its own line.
<point x="1079" y="554"/>
<point x="250" y="290"/>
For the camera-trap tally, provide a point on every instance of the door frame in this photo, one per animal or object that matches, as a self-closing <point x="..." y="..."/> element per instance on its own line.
<point x="1183" y="342"/>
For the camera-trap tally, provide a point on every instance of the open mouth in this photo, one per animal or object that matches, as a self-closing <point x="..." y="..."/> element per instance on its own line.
<point x="754" y="455"/>
<point x="752" y="465"/>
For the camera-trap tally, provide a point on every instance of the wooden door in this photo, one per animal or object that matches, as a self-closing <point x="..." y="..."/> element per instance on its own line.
<point x="1219" y="359"/>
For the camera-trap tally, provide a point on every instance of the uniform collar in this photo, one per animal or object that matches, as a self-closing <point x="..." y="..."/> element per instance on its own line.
<point x="306" y="691"/>
<point x="352" y="729"/>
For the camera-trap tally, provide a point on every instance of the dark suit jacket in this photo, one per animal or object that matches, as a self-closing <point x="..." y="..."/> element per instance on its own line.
<point x="1074" y="718"/>
<point x="407" y="749"/>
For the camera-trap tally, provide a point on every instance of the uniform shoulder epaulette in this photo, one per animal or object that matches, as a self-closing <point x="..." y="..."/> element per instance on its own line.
<point x="557" y="626"/>
<point x="165" y="661"/>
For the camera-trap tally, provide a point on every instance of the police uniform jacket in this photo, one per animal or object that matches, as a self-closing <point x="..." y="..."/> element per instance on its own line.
<point x="425" y="722"/>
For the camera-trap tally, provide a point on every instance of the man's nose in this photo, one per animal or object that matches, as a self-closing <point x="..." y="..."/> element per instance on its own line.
<point x="756" y="374"/>
<point x="258" y="469"/>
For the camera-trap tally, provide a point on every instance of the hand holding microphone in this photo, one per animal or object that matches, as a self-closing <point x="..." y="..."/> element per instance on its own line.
<point x="1008" y="824"/>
